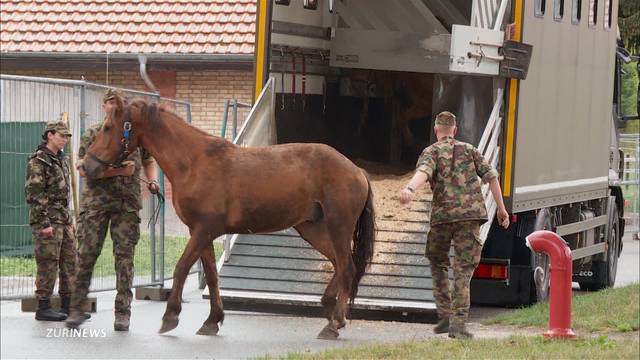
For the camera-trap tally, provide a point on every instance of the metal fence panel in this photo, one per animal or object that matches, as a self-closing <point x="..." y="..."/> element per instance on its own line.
<point x="630" y="145"/>
<point x="26" y="104"/>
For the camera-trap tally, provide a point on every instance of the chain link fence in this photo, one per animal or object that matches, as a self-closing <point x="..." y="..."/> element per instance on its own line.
<point x="27" y="104"/>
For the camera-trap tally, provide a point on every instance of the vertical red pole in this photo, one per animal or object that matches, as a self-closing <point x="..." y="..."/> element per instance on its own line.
<point x="561" y="269"/>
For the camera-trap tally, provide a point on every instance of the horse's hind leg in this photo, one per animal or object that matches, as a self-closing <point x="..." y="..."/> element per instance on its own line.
<point x="317" y="235"/>
<point x="216" y="315"/>
<point x="340" y="234"/>
<point x="345" y="274"/>
<point x="189" y="256"/>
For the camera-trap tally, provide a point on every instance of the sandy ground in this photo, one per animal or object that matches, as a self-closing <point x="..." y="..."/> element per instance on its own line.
<point x="387" y="182"/>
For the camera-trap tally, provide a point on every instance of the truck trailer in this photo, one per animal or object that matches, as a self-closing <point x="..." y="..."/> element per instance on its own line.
<point x="535" y="85"/>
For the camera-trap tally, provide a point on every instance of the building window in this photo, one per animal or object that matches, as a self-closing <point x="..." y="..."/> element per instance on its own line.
<point x="558" y="9"/>
<point x="593" y="12"/>
<point x="608" y="13"/>
<point x="539" y="6"/>
<point x="576" y="11"/>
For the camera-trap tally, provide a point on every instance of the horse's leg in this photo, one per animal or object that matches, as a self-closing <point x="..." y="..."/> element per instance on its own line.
<point x="188" y="258"/>
<point x="216" y="315"/>
<point x="345" y="271"/>
<point x="341" y="233"/>
<point x="317" y="235"/>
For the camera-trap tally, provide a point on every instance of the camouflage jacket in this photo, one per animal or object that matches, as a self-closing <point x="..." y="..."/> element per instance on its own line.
<point x="118" y="193"/>
<point x="452" y="169"/>
<point x="47" y="188"/>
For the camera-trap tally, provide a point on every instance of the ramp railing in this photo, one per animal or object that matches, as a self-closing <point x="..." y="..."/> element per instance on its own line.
<point x="489" y="148"/>
<point x="488" y="14"/>
<point x="258" y="130"/>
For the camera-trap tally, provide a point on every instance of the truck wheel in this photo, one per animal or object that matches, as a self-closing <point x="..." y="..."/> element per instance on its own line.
<point x="540" y="262"/>
<point x="605" y="274"/>
<point x="202" y="280"/>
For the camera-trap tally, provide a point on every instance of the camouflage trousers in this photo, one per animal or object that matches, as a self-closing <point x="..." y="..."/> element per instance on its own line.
<point x="92" y="230"/>
<point x="464" y="236"/>
<point x="53" y="253"/>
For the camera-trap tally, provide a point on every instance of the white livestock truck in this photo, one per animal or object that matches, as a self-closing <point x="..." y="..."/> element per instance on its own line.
<point x="533" y="84"/>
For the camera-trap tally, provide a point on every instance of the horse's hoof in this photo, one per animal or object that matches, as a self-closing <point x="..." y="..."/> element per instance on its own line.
<point x="168" y="324"/>
<point x="208" y="330"/>
<point x="340" y="324"/>
<point x="328" y="333"/>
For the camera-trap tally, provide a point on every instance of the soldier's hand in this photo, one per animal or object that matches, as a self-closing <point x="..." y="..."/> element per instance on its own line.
<point x="405" y="196"/>
<point x="80" y="168"/>
<point x="153" y="187"/>
<point x="128" y="168"/>
<point x="47" y="232"/>
<point x="503" y="218"/>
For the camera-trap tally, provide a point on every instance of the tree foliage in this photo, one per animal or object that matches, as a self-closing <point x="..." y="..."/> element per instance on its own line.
<point x="629" y="23"/>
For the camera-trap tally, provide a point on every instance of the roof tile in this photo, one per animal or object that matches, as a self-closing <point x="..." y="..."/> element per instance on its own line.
<point x="122" y="26"/>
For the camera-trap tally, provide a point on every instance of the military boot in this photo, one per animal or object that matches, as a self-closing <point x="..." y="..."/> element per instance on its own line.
<point x="442" y="326"/>
<point x="459" y="331"/>
<point x="46" y="313"/>
<point x="65" y="303"/>
<point x="75" y="319"/>
<point x="121" y="323"/>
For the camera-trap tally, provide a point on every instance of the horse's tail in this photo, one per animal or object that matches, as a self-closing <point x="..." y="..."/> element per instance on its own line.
<point x="363" y="242"/>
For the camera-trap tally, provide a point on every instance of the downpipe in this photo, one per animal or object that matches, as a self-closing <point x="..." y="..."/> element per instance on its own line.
<point x="143" y="73"/>
<point x="560" y="293"/>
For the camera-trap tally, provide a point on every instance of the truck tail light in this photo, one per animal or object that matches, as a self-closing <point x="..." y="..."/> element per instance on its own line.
<point x="492" y="271"/>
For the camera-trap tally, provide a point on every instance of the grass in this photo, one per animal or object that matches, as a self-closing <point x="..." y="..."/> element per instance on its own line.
<point x="173" y="247"/>
<point x="515" y="347"/>
<point x="597" y="317"/>
<point x="609" y="310"/>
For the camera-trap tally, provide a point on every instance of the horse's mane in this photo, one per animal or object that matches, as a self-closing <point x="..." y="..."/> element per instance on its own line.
<point x="151" y="110"/>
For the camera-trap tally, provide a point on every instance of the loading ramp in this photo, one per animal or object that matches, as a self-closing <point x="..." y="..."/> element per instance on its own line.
<point x="280" y="272"/>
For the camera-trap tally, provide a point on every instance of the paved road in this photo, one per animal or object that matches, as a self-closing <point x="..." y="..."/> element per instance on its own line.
<point x="242" y="335"/>
<point x="629" y="262"/>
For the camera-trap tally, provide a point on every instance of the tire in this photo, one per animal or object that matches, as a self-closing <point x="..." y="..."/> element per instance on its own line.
<point x="202" y="280"/>
<point x="605" y="274"/>
<point x="540" y="263"/>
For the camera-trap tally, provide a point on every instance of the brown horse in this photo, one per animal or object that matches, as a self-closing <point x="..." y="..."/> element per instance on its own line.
<point x="221" y="188"/>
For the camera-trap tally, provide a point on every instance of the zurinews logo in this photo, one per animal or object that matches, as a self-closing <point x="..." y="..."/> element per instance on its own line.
<point x="75" y="333"/>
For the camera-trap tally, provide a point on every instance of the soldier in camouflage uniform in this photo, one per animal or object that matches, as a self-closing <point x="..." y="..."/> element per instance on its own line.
<point x="453" y="168"/>
<point x="111" y="201"/>
<point x="47" y="190"/>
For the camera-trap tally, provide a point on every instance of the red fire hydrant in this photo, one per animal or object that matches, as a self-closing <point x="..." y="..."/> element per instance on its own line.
<point x="561" y="269"/>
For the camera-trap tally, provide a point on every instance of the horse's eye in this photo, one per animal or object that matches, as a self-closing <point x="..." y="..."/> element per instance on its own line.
<point x="106" y="128"/>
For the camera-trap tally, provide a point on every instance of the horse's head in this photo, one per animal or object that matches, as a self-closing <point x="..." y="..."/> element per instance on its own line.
<point x="119" y="135"/>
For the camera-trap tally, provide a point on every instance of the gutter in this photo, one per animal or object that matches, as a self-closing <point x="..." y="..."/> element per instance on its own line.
<point x="155" y="57"/>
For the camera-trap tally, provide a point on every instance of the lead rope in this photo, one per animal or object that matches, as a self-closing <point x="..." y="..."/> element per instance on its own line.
<point x="156" y="211"/>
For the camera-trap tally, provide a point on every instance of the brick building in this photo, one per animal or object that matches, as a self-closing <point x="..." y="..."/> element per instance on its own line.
<point x="200" y="51"/>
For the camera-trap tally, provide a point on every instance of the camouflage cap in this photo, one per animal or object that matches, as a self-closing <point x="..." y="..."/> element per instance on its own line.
<point x="446" y="118"/>
<point x="111" y="94"/>
<point x="59" y="127"/>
